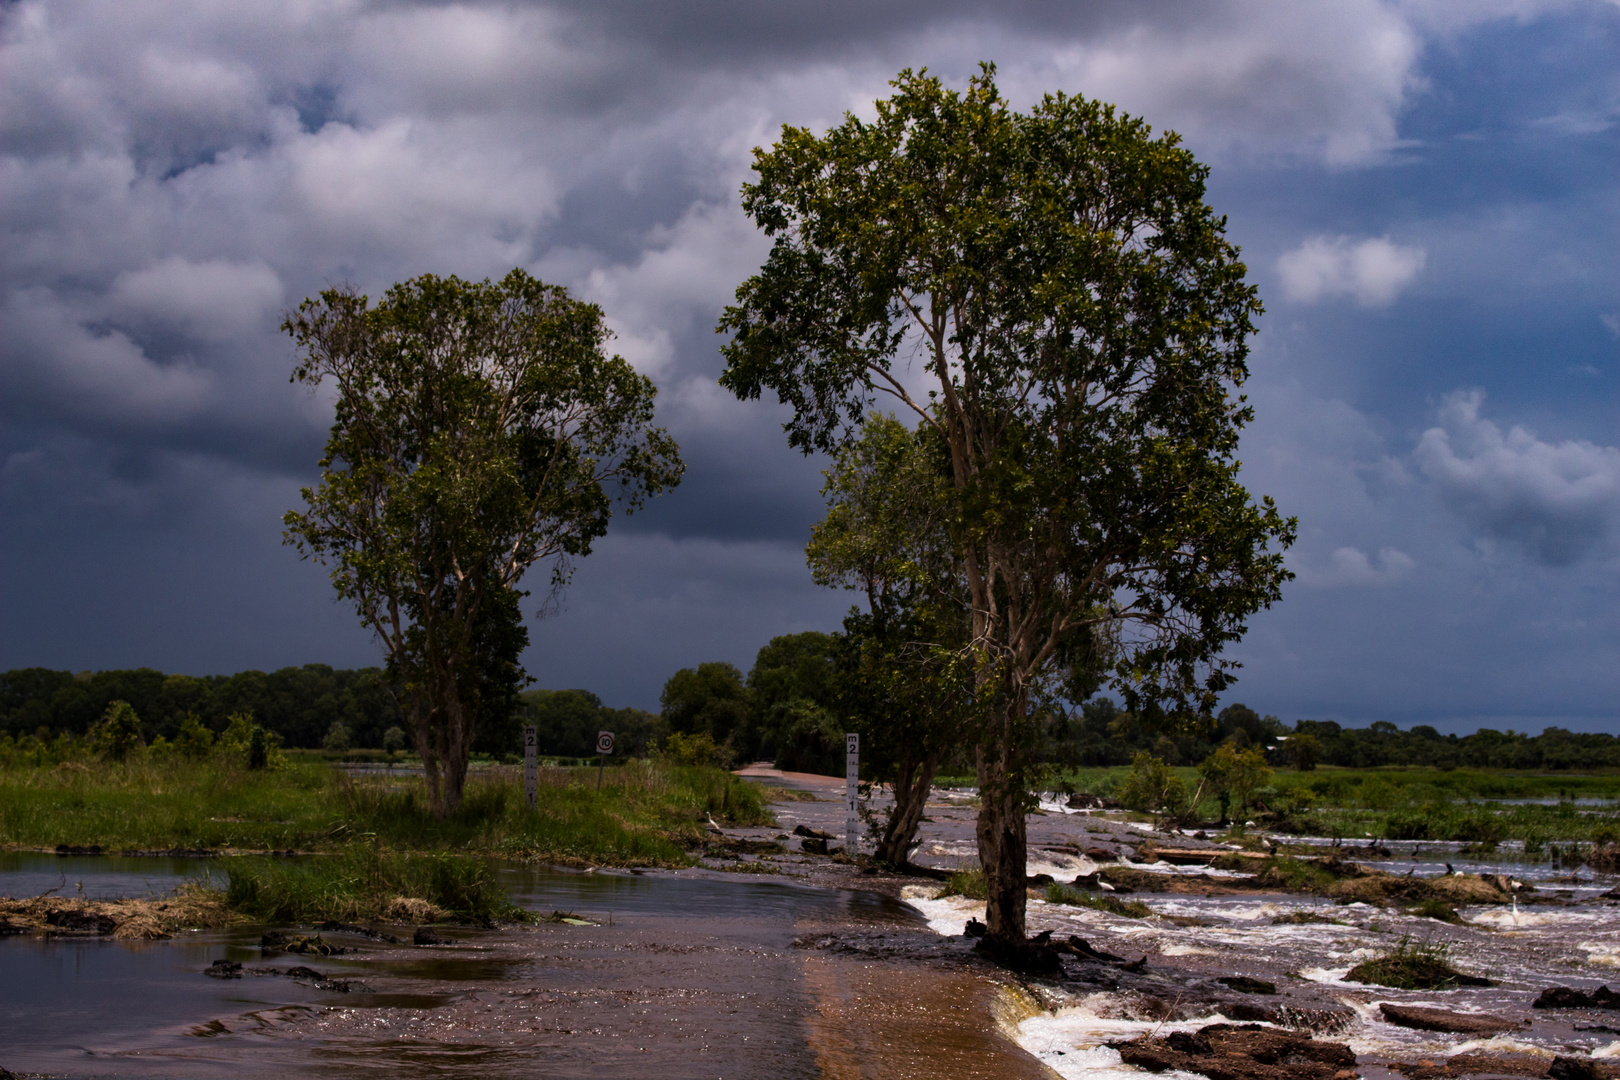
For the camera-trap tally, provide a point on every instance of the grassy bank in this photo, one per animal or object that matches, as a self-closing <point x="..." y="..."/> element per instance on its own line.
<point x="1416" y="804"/>
<point x="363" y="883"/>
<point x="645" y="813"/>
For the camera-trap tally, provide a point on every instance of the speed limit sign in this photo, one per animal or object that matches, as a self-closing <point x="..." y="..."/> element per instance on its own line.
<point x="604" y="742"/>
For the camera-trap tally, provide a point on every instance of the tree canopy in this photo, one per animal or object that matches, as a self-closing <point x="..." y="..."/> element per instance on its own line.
<point x="1049" y="293"/>
<point x="481" y="429"/>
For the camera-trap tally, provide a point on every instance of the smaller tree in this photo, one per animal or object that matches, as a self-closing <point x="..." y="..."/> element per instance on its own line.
<point x="337" y="737"/>
<point x="1153" y="788"/>
<point x="118" y="735"/>
<point x="1303" y="750"/>
<point x="1236" y="774"/>
<point x="394" y="739"/>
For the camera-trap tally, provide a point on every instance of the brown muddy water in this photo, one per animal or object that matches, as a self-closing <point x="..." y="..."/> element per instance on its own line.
<point x="679" y="975"/>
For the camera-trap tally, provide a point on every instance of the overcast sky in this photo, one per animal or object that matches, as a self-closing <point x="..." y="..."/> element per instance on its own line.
<point x="1427" y="195"/>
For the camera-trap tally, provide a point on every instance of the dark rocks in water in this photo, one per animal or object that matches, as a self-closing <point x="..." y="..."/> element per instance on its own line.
<point x="223" y="969"/>
<point x="1241" y="1052"/>
<point x="8" y="928"/>
<point x="814" y="834"/>
<point x="813" y="845"/>
<point x="173" y="853"/>
<point x="1038" y="881"/>
<point x="1135" y="965"/>
<point x="312" y="945"/>
<point x="73" y="921"/>
<point x="1024" y="957"/>
<point x="1565" y="997"/>
<point x="1078" y="946"/>
<point x="425" y="936"/>
<point x="975" y="928"/>
<point x="78" y="849"/>
<point x="1244" y="984"/>
<point x="331" y="927"/>
<point x="1101" y="854"/>
<point x="1421" y="1019"/>
<point x="1569" y="1068"/>
<point x="1081" y="800"/>
<point x="1476" y="1064"/>
<point x="1096" y="883"/>
<point x="1317" y="1021"/>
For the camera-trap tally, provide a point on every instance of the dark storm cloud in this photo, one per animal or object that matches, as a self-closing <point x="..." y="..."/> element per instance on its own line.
<point x="174" y="175"/>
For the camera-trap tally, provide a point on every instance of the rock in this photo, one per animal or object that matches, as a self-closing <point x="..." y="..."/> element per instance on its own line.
<point x="975" y="928"/>
<point x="425" y="936"/>
<point x="1024" y="957"/>
<point x="78" y="849"/>
<point x="223" y="969"/>
<point x="1422" y="1019"/>
<point x="1604" y="859"/>
<point x="1568" y="1068"/>
<point x="330" y="927"/>
<point x="7" y="927"/>
<point x="312" y="945"/>
<point x="1241" y="1052"/>
<point x="1077" y="946"/>
<point x="1101" y="854"/>
<point x="815" y="834"/>
<point x="1243" y="984"/>
<point x="1564" y="997"/>
<point x="1135" y="965"/>
<point x="813" y="845"/>
<point x="74" y="921"/>
<point x="1039" y="881"/>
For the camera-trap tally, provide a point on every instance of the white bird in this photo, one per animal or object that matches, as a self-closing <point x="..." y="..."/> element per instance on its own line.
<point x="715" y="828"/>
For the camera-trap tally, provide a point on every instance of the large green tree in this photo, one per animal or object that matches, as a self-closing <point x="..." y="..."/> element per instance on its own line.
<point x="1049" y="292"/>
<point x="481" y="429"/>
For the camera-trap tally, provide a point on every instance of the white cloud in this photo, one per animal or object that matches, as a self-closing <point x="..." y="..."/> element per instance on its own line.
<point x="1350" y="566"/>
<point x="215" y="299"/>
<point x="1558" y="501"/>
<point x="1373" y="271"/>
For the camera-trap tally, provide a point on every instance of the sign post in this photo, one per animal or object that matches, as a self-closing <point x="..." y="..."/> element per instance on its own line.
<point x="531" y="779"/>
<point x="852" y="781"/>
<point x="604" y="747"/>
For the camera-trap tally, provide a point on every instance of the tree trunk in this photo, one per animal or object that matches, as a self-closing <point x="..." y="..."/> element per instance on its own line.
<point x="1003" y="843"/>
<point x="912" y="783"/>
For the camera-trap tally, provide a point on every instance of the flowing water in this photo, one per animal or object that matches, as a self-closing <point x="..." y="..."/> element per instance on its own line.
<point x="698" y="975"/>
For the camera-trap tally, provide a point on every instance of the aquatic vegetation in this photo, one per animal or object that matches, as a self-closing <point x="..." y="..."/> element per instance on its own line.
<point x="193" y="905"/>
<point x="1414" y="966"/>
<point x="1129" y="909"/>
<point x="1433" y="908"/>
<point x="966" y="883"/>
<point x="364" y="882"/>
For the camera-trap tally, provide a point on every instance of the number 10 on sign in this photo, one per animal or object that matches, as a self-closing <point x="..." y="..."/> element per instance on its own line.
<point x="852" y="780"/>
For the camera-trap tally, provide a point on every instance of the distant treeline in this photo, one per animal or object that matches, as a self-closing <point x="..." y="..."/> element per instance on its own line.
<point x="785" y="709"/>
<point x="301" y="704"/>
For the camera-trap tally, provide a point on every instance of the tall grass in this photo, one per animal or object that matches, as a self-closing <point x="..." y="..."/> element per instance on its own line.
<point x="363" y="882"/>
<point x="644" y="813"/>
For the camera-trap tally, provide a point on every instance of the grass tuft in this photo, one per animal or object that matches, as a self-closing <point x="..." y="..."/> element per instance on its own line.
<point x="366" y="883"/>
<point x="1414" y="966"/>
<point x="1129" y="909"/>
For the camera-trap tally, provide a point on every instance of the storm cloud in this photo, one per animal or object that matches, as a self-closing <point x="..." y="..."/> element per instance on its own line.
<point x="174" y="175"/>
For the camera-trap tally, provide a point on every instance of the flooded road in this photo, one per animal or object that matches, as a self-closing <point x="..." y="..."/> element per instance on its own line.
<point x="679" y="975"/>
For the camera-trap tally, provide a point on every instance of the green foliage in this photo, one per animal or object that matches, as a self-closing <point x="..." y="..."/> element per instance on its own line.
<point x="247" y="743"/>
<point x="1153" y="788"/>
<point x="811" y="739"/>
<point x="118" y="735"/>
<point x="567" y="721"/>
<point x="1414" y="966"/>
<point x="194" y="739"/>
<point x="645" y="814"/>
<point x="393" y="739"/>
<point x="696" y="749"/>
<point x="1238" y="773"/>
<point x="1303" y="751"/>
<point x="710" y="699"/>
<point x="481" y="429"/>
<point x="1129" y="909"/>
<point x="337" y="737"/>
<point x="968" y="883"/>
<point x="364" y="882"/>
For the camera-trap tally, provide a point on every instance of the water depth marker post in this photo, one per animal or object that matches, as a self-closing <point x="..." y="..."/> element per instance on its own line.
<point x="852" y="780"/>
<point x="531" y="777"/>
<point x="604" y="747"/>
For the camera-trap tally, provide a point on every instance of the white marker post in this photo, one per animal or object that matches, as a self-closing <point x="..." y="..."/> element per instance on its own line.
<point x="852" y="782"/>
<point x="531" y="776"/>
<point x="604" y="747"/>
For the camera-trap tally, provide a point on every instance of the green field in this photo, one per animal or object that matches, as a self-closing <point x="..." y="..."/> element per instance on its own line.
<point x="1477" y="806"/>
<point x="646" y="813"/>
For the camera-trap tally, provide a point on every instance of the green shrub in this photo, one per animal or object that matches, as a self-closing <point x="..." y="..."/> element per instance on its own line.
<point x="364" y="882"/>
<point x="118" y="734"/>
<point x="1130" y="909"/>
<point x="1153" y="788"/>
